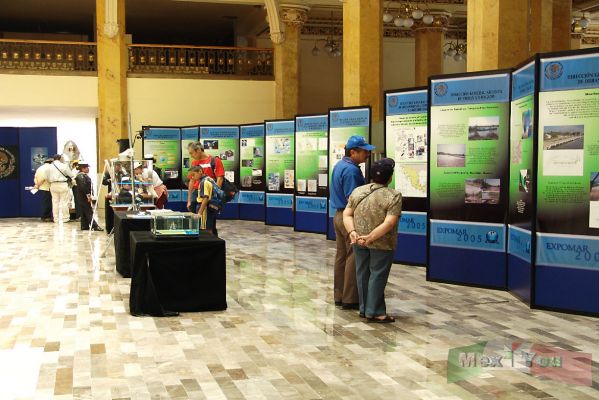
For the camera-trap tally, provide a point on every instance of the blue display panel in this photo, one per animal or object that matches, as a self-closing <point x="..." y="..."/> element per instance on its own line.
<point x="311" y="173"/>
<point x="521" y="184"/>
<point x="280" y="171"/>
<point x="344" y="123"/>
<point x="468" y="178"/>
<point x="251" y="172"/>
<point x="567" y="183"/>
<point x="9" y="174"/>
<point x="406" y="117"/>
<point x="35" y="145"/>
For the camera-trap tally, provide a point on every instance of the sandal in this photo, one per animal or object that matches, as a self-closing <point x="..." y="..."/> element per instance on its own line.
<point x="386" y="320"/>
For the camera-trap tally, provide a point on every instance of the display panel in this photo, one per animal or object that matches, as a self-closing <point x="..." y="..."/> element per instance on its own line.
<point x="567" y="196"/>
<point x="165" y="145"/>
<point x="311" y="167"/>
<point x="406" y="126"/>
<point x="344" y="123"/>
<point x="280" y="171"/>
<point x="223" y="142"/>
<point x="188" y="136"/>
<point x="252" y="176"/>
<point x="468" y="178"/>
<point x="521" y="183"/>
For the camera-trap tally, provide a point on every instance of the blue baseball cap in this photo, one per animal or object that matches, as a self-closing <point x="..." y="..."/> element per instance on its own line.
<point x="358" y="142"/>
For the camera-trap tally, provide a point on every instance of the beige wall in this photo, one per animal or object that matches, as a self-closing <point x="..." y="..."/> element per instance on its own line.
<point x="199" y="101"/>
<point x="48" y="91"/>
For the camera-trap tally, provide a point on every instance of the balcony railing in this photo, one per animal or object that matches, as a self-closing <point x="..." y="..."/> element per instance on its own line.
<point x="192" y="60"/>
<point x="43" y="55"/>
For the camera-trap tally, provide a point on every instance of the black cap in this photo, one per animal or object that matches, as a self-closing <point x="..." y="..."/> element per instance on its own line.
<point x="382" y="170"/>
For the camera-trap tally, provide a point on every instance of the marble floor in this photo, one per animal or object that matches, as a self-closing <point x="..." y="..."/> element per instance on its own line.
<point x="66" y="333"/>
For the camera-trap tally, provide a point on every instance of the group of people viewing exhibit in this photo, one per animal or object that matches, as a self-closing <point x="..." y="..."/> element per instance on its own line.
<point x="365" y="222"/>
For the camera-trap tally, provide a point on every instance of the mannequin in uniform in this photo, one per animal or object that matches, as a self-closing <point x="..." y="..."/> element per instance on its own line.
<point x="84" y="196"/>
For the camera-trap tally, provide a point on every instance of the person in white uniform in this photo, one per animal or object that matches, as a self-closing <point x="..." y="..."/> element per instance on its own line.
<point x="59" y="176"/>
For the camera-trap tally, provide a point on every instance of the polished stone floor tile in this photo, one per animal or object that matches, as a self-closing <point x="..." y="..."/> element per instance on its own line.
<point x="66" y="333"/>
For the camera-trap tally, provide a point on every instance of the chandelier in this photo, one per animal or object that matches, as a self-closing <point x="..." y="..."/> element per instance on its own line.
<point x="456" y="50"/>
<point x="331" y="45"/>
<point x="580" y="23"/>
<point x="407" y="15"/>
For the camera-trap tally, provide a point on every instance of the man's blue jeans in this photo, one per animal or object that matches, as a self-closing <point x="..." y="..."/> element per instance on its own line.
<point x="372" y="272"/>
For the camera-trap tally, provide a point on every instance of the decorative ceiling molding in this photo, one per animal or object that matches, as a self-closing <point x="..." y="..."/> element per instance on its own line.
<point x="277" y="30"/>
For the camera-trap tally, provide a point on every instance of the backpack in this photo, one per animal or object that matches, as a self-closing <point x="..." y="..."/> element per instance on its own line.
<point x="229" y="188"/>
<point x="216" y="202"/>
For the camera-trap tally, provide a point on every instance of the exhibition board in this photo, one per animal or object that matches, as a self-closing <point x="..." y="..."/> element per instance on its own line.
<point x="280" y="171"/>
<point x="22" y="152"/>
<point x="165" y="144"/>
<point x="344" y="123"/>
<point x="468" y="177"/>
<point x="521" y="184"/>
<point x="222" y="141"/>
<point x="406" y="116"/>
<point x="251" y="172"/>
<point x="311" y="173"/>
<point x="567" y="176"/>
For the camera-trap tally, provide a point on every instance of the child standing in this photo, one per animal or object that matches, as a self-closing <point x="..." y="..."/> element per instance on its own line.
<point x="205" y="192"/>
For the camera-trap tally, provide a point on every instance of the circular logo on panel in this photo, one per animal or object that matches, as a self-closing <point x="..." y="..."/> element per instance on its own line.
<point x="492" y="237"/>
<point x="335" y="116"/>
<point x="554" y="70"/>
<point x="441" y="89"/>
<point x="393" y="101"/>
<point x="204" y="131"/>
<point x="269" y="127"/>
<point x="8" y="163"/>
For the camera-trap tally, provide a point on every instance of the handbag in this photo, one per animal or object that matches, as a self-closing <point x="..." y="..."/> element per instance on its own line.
<point x="69" y="179"/>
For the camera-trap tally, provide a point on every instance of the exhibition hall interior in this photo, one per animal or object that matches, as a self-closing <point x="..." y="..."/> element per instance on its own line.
<point x="299" y="199"/>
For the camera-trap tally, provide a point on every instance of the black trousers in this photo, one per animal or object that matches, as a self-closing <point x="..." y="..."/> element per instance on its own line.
<point x="87" y="214"/>
<point x="46" y="203"/>
<point x="108" y="215"/>
<point x="77" y="202"/>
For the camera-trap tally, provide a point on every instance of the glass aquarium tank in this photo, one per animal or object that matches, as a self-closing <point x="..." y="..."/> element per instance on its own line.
<point x="175" y="225"/>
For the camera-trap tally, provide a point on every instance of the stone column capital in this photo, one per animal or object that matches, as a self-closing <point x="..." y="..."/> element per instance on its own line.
<point x="294" y="15"/>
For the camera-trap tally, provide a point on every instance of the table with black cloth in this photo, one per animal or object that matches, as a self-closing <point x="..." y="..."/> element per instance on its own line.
<point x="124" y="224"/>
<point x="177" y="275"/>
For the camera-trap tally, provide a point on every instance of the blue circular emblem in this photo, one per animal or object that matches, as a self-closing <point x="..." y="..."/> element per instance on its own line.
<point x="554" y="70"/>
<point x="441" y="89"/>
<point x="269" y="127"/>
<point x="392" y="101"/>
<point x="335" y="116"/>
<point x="492" y="237"/>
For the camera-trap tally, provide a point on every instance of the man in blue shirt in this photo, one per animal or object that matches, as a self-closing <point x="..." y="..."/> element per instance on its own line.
<point x="346" y="176"/>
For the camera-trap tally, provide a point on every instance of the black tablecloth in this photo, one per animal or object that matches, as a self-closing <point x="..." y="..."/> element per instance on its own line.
<point x="171" y="275"/>
<point x="123" y="224"/>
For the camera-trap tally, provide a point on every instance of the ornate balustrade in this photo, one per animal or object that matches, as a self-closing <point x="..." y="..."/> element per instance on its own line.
<point x="192" y="60"/>
<point x="45" y="55"/>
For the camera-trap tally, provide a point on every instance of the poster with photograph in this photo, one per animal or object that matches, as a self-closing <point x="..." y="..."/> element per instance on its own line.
<point x="469" y="142"/>
<point x="568" y="146"/>
<point x="406" y="140"/>
<point x="251" y="150"/>
<point x="188" y="136"/>
<point x="311" y="154"/>
<point x="279" y="156"/>
<point x="165" y="145"/>
<point x="522" y="151"/>
<point x="223" y="142"/>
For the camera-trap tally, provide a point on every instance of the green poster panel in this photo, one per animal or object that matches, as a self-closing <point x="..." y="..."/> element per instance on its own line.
<point x="165" y="144"/>
<point x="280" y="163"/>
<point x="188" y="136"/>
<point x="251" y="172"/>
<point x="223" y="142"/>
<point x="311" y="155"/>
